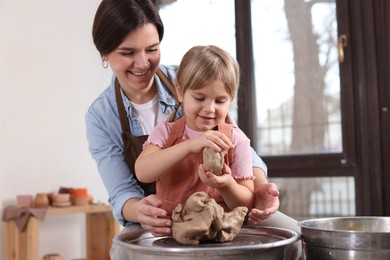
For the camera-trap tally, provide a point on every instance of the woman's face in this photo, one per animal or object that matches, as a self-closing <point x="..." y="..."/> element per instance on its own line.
<point x="135" y="62"/>
<point x="207" y="106"/>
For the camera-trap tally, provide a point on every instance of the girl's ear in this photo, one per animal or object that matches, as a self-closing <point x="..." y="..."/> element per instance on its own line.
<point x="180" y="94"/>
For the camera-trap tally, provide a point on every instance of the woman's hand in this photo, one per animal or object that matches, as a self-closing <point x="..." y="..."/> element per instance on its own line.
<point x="152" y="218"/>
<point x="266" y="202"/>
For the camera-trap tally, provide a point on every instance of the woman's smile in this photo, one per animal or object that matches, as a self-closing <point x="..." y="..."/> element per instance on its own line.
<point x="139" y="73"/>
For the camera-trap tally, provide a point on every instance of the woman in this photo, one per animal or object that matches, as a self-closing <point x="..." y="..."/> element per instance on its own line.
<point x="127" y="34"/>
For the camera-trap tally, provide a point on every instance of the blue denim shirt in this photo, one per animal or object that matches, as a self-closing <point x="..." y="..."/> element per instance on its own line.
<point x="104" y="137"/>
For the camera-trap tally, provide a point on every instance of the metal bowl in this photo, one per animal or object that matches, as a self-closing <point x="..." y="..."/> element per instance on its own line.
<point x="252" y="242"/>
<point x="346" y="238"/>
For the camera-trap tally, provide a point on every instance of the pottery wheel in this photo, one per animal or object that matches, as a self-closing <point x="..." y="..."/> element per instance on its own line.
<point x="250" y="238"/>
<point x="240" y="240"/>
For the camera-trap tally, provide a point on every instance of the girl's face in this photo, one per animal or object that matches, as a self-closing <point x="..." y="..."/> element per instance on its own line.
<point x="206" y="107"/>
<point x="135" y="62"/>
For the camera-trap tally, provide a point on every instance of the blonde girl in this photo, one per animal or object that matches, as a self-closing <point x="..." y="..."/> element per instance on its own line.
<point x="207" y="82"/>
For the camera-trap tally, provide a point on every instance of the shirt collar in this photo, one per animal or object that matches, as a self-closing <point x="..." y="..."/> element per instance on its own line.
<point x="164" y="96"/>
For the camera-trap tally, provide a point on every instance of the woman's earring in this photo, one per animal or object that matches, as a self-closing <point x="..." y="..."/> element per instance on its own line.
<point x="105" y="63"/>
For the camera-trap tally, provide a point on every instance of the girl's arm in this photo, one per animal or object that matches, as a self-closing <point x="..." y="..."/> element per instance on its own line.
<point x="154" y="161"/>
<point x="240" y="193"/>
<point x="235" y="193"/>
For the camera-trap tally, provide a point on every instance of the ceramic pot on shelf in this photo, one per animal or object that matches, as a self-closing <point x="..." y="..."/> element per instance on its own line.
<point x="41" y="200"/>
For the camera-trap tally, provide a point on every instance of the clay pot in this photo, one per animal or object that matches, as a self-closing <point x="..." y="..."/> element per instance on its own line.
<point x="41" y="200"/>
<point x="25" y="201"/>
<point x="60" y="200"/>
<point x="80" y="196"/>
<point x="52" y="257"/>
<point x="61" y="197"/>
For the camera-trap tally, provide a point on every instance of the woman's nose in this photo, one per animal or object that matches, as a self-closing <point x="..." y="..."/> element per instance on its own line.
<point x="142" y="61"/>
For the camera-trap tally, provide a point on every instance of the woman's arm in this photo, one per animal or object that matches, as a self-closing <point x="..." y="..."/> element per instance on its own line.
<point x="106" y="149"/>
<point x="125" y="195"/>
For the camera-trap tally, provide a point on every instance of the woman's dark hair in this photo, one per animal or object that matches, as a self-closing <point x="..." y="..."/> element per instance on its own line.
<point x="114" y="19"/>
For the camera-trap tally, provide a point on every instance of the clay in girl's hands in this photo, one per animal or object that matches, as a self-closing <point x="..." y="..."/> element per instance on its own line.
<point x="213" y="161"/>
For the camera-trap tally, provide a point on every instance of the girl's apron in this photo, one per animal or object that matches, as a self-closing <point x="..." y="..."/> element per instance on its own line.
<point x="182" y="180"/>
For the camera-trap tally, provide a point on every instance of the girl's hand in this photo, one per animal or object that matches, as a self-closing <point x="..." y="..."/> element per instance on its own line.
<point x="213" y="180"/>
<point x="213" y="139"/>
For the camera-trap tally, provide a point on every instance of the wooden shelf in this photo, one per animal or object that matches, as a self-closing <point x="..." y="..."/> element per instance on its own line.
<point x="101" y="227"/>
<point x="58" y="211"/>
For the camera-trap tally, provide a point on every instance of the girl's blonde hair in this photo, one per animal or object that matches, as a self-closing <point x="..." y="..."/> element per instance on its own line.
<point x="203" y="63"/>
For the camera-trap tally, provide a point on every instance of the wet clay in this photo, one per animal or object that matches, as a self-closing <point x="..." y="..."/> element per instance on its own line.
<point x="213" y="161"/>
<point x="202" y="219"/>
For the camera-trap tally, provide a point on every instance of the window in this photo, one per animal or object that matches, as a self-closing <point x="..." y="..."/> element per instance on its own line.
<point x="297" y="77"/>
<point x="298" y="110"/>
<point x="313" y="120"/>
<point x="196" y="22"/>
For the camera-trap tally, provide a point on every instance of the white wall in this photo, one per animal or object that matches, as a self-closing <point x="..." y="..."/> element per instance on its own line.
<point x="50" y="72"/>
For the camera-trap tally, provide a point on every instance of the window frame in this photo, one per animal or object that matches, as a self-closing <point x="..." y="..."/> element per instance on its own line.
<point x="308" y="165"/>
<point x="361" y="125"/>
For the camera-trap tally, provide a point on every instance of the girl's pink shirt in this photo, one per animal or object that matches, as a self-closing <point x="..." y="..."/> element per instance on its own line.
<point x="241" y="166"/>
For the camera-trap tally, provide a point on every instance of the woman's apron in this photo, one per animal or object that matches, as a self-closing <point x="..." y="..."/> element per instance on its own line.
<point x="132" y="145"/>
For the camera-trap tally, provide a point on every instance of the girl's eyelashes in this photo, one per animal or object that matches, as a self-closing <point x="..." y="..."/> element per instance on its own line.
<point x="220" y="101"/>
<point x="198" y="98"/>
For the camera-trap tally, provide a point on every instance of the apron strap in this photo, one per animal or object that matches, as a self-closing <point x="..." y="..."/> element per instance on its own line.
<point x="164" y="78"/>
<point x="121" y="110"/>
<point x="176" y="132"/>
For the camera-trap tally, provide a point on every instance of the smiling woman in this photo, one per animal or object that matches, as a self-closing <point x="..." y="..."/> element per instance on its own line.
<point x="135" y="61"/>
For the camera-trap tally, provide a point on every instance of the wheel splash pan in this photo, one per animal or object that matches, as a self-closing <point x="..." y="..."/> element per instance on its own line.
<point x="251" y="243"/>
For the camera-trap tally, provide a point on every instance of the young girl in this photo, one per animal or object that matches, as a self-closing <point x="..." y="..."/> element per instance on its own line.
<point x="206" y="82"/>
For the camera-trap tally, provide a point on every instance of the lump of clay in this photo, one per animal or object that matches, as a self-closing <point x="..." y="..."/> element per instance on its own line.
<point x="202" y="219"/>
<point x="213" y="161"/>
